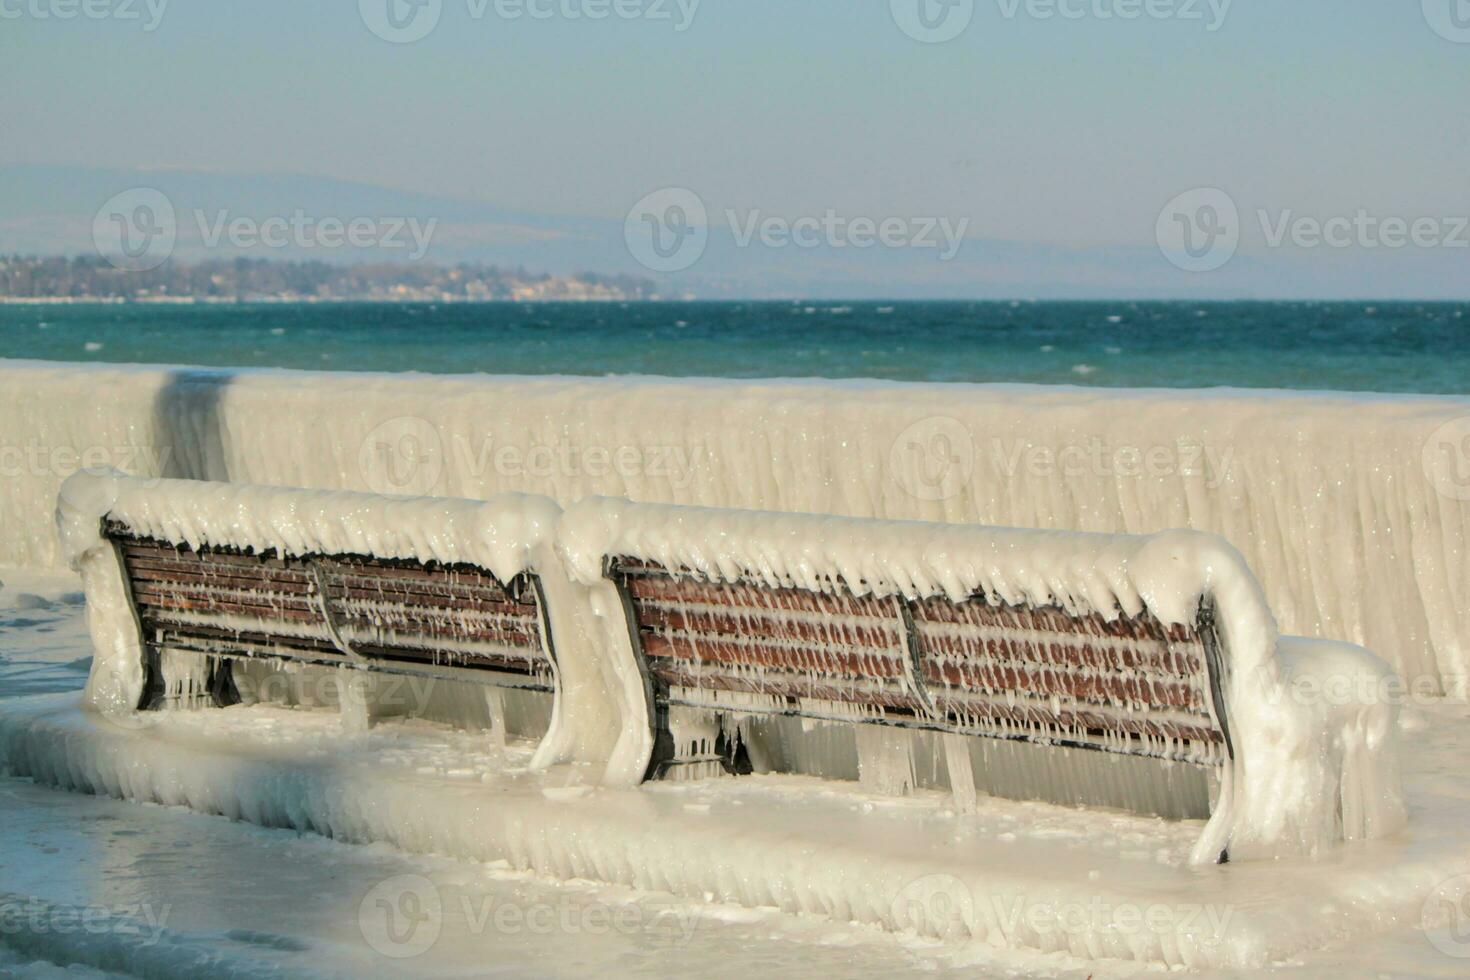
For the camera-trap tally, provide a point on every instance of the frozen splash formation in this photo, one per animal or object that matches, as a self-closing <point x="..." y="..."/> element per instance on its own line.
<point x="1305" y="773"/>
<point x="1350" y="509"/>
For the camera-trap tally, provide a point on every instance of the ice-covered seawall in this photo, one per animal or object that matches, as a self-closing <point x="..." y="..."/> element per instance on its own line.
<point x="1353" y="511"/>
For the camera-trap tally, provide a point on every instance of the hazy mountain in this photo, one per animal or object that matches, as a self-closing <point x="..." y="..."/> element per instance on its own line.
<point x="51" y="210"/>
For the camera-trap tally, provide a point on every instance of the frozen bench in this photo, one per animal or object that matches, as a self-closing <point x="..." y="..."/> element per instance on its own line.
<point x="1140" y="671"/>
<point x="456" y="621"/>
<point x="205" y="576"/>
<point x="1137" y="671"/>
<point x="1125" y="684"/>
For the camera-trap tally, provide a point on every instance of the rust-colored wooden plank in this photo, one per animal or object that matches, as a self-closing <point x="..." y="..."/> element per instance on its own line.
<point x="263" y="612"/>
<point x="359" y="610"/>
<point x="407" y="571"/>
<point x="1069" y="650"/>
<point x="163" y="590"/>
<point x="782" y="685"/>
<point x="758" y="596"/>
<point x="878" y="664"/>
<point x="445" y="631"/>
<point x="468" y="601"/>
<point x="183" y="554"/>
<point x="978" y="612"/>
<point x="995" y="678"/>
<point x="431" y="581"/>
<point x="733" y="622"/>
<point x="231" y="576"/>
<point x="321" y="644"/>
<point x="1062" y="723"/>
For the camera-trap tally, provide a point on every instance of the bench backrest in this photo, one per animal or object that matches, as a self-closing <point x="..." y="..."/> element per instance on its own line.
<point x="400" y="615"/>
<point x="1123" y="684"/>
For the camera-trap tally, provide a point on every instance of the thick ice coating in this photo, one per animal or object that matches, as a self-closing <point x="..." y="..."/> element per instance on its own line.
<point x="1300" y="765"/>
<point x="500" y="534"/>
<point x="1350" y="509"/>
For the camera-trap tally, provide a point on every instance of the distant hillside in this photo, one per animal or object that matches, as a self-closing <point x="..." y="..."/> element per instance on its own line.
<point x="53" y="210"/>
<point x="256" y="280"/>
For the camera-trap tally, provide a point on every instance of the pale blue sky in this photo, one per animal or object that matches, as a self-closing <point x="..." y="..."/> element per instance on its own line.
<point x="1052" y="131"/>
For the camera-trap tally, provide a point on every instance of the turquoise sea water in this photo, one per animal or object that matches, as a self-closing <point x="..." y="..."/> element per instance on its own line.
<point x="1397" y="347"/>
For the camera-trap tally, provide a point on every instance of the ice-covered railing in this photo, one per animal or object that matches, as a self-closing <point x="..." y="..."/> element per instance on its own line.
<point x="1293" y="774"/>
<point x="1331" y="498"/>
<point x="191" y="583"/>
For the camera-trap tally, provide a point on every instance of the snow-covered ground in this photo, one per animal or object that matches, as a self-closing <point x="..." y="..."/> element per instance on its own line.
<point x="138" y="888"/>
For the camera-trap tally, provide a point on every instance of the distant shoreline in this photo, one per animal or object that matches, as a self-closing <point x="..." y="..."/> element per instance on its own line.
<point x="311" y="300"/>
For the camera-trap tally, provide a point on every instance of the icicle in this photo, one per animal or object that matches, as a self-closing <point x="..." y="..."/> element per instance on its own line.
<point x="495" y="705"/>
<point x="354" y="697"/>
<point x="960" y="769"/>
<point x="885" y="760"/>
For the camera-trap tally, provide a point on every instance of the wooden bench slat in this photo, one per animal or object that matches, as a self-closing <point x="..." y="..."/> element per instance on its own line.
<point x="1122" y="683"/>
<point x="870" y="634"/>
<point x="509" y="660"/>
<point x="228" y="602"/>
<point x="972" y="708"/>
<point x="183" y="554"/>
<point x="993" y="678"/>
<point x="980" y="612"/>
<point x="879" y="664"/>
<point x="404" y="571"/>
<point x="470" y="603"/>
<point x="448" y="632"/>
<point x="760" y="597"/>
<point x="781" y="685"/>
<point x="1071" y="650"/>
<point x="203" y="573"/>
<point x="262" y="611"/>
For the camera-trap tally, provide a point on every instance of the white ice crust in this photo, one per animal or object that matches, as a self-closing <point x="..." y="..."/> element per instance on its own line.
<point x="1350" y="509"/>
<point x="501" y="534"/>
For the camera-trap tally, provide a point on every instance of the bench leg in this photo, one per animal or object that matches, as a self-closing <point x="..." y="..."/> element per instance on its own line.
<point x="665" y="761"/>
<point x="222" y="687"/>
<point x="355" y="700"/>
<point x="219" y="684"/>
<point x="153" y="686"/>
<point x="495" y="708"/>
<point x="961" y="771"/>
